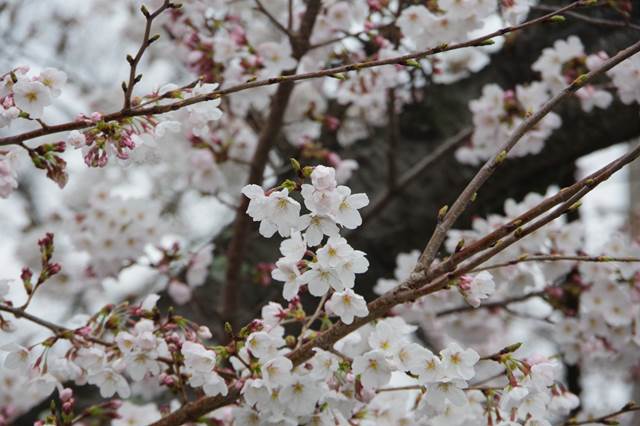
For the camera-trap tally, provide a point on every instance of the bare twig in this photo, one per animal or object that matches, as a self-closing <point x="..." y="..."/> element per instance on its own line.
<point x="408" y="177"/>
<point x="591" y="19"/>
<point x="272" y="18"/>
<point x="58" y="330"/>
<point x="557" y="258"/>
<point x="393" y="139"/>
<point x="490" y="305"/>
<point x="134" y="78"/>
<point x="312" y="318"/>
<point x="606" y="419"/>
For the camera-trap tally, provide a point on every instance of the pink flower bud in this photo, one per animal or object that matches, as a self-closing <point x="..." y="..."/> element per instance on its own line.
<point x="204" y="332"/>
<point x="66" y="394"/>
<point x="332" y="123"/>
<point x="167" y="380"/>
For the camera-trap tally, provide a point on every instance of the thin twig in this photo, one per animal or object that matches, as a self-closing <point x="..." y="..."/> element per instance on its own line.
<point x="393" y="139"/>
<point x="490" y="305"/>
<point x="312" y="318"/>
<point x="58" y="330"/>
<point x="630" y="407"/>
<point x="134" y="78"/>
<point x="381" y="201"/>
<point x="557" y="258"/>
<point x="272" y="18"/>
<point x="401" y="388"/>
<point x="591" y="19"/>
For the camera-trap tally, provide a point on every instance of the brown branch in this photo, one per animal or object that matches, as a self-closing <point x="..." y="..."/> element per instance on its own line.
<point x="393" y="139"/>
<point x="268" y="137"/>
<point x="58" y="330"/>
<point x="490" y="305"/>
<point x="272" y="18"/>
<point x="381" y="201"/>
<point x="134" y="78"/>
<point x="162" y="109"/>
<point x="405" y="292"/>
<point x="556" y="258"/>
<point x="487" y="170"/>
<point x="402" y="388"/>
<point x="590" y="19"/>
<point x="607" y="418"/>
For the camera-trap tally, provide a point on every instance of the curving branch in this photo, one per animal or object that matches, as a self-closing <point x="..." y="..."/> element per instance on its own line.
<point x="379" y="203"/>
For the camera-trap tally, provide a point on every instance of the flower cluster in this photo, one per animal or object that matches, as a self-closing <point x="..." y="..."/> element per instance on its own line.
<point x="26" y="96"/>
<point x="563" y="63"/>
<point x="331" y="266"/>
<point x="626" y="78"/>
<point x="116" y="347"/>
<point x="114" y="230"/>
<point x="499" y="112"/>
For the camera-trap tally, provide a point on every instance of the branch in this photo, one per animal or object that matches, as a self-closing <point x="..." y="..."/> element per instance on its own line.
<point x="471" y="190"/>
<point x="607" y="418"/>
<point x="268" y="136"/>
<point x="590" y="19"/>
<point x="146" y="42"/>
<point x="58" y="330"/>
<point x="491" y="305"/>
<point x="556" y="258"/>
<point x="408" y="177"/>
<point x="272" y="18"/>
<point x="163" y="109"/>
<point x="392" y="140"/>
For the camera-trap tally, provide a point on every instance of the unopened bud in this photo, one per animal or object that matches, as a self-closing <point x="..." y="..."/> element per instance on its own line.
<point x="338" y="76"/>
<point x="557" y="19"/>
<point x="413" y="63"/>
<point x="66" y="394"/>
<point x="442" y="213"/>
<point x="295" y="164"/>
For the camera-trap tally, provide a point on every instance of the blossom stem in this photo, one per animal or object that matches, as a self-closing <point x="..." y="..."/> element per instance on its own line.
<point x="312" y="318"/>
